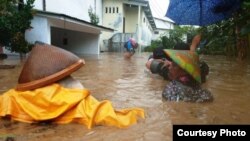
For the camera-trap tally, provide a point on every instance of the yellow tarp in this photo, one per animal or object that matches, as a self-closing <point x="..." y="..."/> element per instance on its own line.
<point x="63" y="105"/>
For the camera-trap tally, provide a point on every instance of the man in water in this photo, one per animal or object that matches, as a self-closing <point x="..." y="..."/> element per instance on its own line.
<point x="156" y="65"/>
<point x="130" y="47"/>
<point x="185" y="77"/>
<point x="182" y="67"/>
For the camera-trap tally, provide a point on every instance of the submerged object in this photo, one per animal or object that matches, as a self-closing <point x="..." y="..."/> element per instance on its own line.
<point x="45" y="65"/>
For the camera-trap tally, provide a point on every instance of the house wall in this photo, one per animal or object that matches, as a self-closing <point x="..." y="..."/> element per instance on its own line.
<point x="163" y="28"/>
<point x="158" y="33"/>
<point x="77" y="42"/>
<point x="40" y="31"/>
<point x="114" y="20"/>
<point x="46" y="31"/>
<point x="110" y="11"/>
<point x="111" y="19"/>
<point x="131" y="19"/>
<point x="146" y="30"/>
<point x="74" y="8"/>
<point x="38" y="4"/>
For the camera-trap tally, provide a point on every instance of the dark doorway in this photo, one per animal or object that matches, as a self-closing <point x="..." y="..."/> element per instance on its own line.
<point x="123" y="24"/>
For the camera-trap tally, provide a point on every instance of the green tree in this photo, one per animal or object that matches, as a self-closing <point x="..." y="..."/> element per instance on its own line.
<point x="94" y="19"/>
<point x="178" y="34"/>
<point x="231" y="36"/>
<point x="15" y="19"/>
<point x="220" y="37"/>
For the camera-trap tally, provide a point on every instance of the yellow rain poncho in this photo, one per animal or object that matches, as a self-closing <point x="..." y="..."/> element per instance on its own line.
<point x="63" y="105"/>
<point x="39" y="97"/>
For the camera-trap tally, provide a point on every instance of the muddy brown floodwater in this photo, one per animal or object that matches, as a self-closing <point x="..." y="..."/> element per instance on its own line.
<point x="127" y="83"/>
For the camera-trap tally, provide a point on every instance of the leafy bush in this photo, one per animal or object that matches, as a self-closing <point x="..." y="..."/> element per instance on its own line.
<point x="94" y="19"/>
<point x="15" y="19"/>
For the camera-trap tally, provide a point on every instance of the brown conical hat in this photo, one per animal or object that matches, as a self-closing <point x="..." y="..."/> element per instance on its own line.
<point x="45" y="65"/>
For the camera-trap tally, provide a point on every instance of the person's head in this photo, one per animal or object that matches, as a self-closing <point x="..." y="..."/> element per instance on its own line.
<point x="135" y="46"/>
<point x="181" y="46"/>
<point x="174" y="70"/>
<point x="133" y="42"/>
<point x="184" y="63"/>
<point x="159" y="53"/>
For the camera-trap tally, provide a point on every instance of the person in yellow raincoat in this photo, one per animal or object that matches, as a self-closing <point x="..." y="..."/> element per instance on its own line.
<point x="46" y="92"/>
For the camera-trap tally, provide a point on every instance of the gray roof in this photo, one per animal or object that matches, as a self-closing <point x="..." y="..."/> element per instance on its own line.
<point x="53" y="14"/>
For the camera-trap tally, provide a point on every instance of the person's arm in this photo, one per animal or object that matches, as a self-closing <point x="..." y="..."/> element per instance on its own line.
<point x="195" y="42"/>
<point x="148" y="63"/>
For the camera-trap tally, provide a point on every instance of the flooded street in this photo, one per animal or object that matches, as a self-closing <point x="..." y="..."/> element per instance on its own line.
<point x="127" y="84"/>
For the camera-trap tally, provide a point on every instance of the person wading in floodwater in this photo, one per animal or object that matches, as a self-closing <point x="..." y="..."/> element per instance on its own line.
<point x="130" y="47"/>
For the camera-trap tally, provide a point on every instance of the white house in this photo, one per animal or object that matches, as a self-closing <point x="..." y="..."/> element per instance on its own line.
<point x="65" y="23"/>
<point x="129" y="18"/>
<point x="163" y="25"/>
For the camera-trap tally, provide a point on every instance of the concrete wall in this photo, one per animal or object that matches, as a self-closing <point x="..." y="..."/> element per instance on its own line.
<point x="159" y="33"/>
<point x="77" y="42"/>
<point x="163" y="27"/>
<point x="146" y="30"/>
<point x="131" y="19"/>
<point x="131" y="14"/>
<point x="40" y="30"/>
<point x="74" y="8"/>
<point x="111" y="17"/>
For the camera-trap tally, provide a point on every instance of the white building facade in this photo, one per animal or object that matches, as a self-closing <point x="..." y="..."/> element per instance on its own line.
<point x="163" y="26"/>
<point x="129" y="18"/>
<point x="66" y="23"/>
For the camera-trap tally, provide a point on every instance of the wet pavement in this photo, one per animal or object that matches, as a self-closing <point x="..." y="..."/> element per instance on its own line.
<point x="127" y="84"/>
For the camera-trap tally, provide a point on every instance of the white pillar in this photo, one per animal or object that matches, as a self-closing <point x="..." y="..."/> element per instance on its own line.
<point x="139" y="28"/>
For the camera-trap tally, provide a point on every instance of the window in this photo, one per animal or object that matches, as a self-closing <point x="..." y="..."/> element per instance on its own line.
<point x="113" y="9"/>
<point x="106" y="9"/>
<point x="144" y="19"/>
<point x="117" y="10"/>
<point x="109" y="9"/>
<point x="156" y="32"/>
